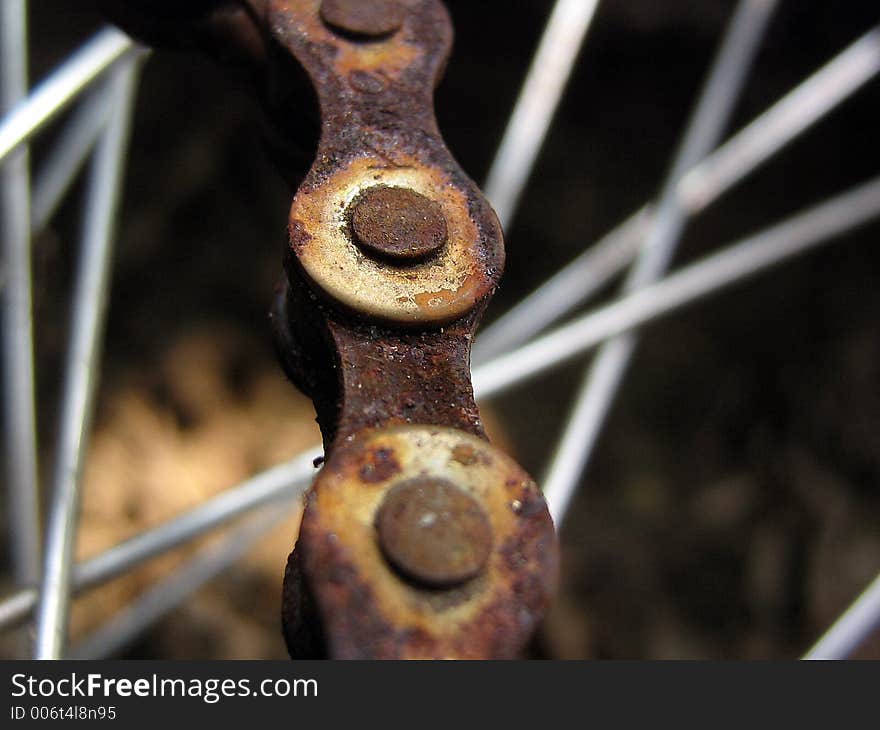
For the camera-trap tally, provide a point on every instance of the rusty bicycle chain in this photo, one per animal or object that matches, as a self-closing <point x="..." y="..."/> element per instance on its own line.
<point x="418" y="538"/>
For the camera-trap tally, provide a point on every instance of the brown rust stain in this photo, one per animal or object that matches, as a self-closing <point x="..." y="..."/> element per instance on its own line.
<point x="397" y="223"/>
<point x="378" y="465"/>
<point x="369" y="611"/>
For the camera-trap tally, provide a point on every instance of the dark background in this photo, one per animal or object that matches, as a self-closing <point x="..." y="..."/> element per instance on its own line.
<point x="732" y="507"/>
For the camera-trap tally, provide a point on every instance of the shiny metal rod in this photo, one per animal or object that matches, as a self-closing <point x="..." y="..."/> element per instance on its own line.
<point x="69" y="154"/>
<point x="798" y="110"/>
<point x="536" y="104"/>
<point x="133" y="620"/>
<point x="581" y="279"/>
<point x="19" y="410"/>
<point x="745" y="258"/>
<point x="52" y="95"/>
<point x="744" y="152"/>
<point x="850" y="631"/>
<point x="603" y="377"/>
<point x="87" y="325"/>
<point x="286" y="481"/>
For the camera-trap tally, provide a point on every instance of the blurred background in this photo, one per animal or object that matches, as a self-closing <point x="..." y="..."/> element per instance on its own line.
<point x="732" y="509"/>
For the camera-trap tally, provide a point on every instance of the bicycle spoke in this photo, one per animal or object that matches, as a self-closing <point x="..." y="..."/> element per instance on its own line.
<point x="69" y="154"/>
<point x="87" y="324"/>
<point x="745" y="258"/>
<point x="798" y="110"/>
<point x="856" y="624"/>
<point x="56" y="92"/>
<point x="783" y="122"/>
<point x="284" y="481"/>
<point x="536" y="104"/>
<point x="603" y="377"/>
<point x="16" y="608"/>
<point x="18" y="345"/>
<point x="586" y="275"/>
<point x="133" y="620"/>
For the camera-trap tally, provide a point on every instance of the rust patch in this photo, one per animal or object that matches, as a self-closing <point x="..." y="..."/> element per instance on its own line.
<point x="397" y="223"/>
<point x="369" y="611"/>
<point x="379" y="466"/>
<point x="464" y="455"/>
<point x="447" y="285"/>
<point x="433" y="532"/>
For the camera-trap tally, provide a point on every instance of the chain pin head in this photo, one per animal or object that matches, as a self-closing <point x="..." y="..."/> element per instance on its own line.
<point x="363" y="18"/>
<point x="398" y="224"/>
<point x="433" y="532"/>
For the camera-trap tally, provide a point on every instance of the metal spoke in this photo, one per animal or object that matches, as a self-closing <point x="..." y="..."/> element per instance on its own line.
<point x="536" y="105"/>
<point x="18" y="343"/>
<point x="18" y="607"/>
<point x="713" y="273"/>
<point x="88" y="310"/>
<point x="69" y="154"/>
<point x="133" y="620"/>
<point x="586" y="275"/>
<point x="856" y="624"/>
<point x="285" y="481"/>
<point x="798" y="110"/>
<point x="56" y="92"/>
<point x="752" y="146"/>
<point x="603" y="377"/>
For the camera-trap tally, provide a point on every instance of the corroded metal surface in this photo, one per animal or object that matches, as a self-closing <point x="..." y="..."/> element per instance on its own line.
<point x="440" y="289"/>
<point x="368" y="610"/>
<point x="419" y="539"/>
<point x="397" y="224"/>
<point x="434" y="532"/>
<point x="378" y="130"/>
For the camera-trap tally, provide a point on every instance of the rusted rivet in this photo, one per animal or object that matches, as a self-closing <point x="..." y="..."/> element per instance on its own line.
<point x="397" y="223"/>
<point x="365" y="18"/>
<point x="434" y="532"/>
